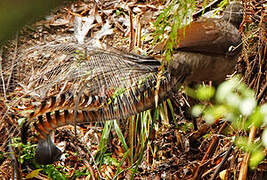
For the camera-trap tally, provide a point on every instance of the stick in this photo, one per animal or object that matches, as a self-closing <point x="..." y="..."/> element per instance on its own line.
<point x="1" y="72"/>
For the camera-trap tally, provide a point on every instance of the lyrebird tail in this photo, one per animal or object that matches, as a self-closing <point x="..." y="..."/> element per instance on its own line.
<point x="92" y="85"/>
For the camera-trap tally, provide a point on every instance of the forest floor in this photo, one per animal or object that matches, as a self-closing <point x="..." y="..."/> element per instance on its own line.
<point x="174" y="150"/>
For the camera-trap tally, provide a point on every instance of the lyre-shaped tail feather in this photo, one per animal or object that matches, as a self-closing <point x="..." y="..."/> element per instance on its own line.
<point x="102" y="86"/>
<point x="128" y="103"/>
<point x="47" y="152"/>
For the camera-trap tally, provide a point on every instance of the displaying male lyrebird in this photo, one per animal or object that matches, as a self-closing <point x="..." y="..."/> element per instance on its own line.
<point x="82" y="84"/>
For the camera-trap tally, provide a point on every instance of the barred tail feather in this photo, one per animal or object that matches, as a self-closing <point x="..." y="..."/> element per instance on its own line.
<point x="120" y="107"/>
<point x="94" y="109"/>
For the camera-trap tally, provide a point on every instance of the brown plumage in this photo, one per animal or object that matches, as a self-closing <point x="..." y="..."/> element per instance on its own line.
<point x="132" y="91"/>
<point x="210" y="46"/>
<point x="99" y="85"/>
<point x="94" y="85"/>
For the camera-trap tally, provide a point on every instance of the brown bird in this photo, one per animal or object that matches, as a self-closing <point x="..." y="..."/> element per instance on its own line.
<point x="210" y="46"/>
<point x="91" y="85"/>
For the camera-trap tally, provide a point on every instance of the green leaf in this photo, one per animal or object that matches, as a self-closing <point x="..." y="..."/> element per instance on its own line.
<point x="226" y="88"/>
<point x="33" y="174"/>
<point x="256" y="158"/>
<point x="214" y="113"/>
<point x="120" y="135"/>
<point x="197" y="110"/>
<point x="204" y="93"/>
<point x="247" y="105"/>
<point x="104" y="136"/>
<point x="53" y="173"/>
<point x="255" y="119"/>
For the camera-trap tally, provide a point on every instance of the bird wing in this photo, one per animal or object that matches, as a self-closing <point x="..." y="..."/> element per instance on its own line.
<point x="210" y="36"/>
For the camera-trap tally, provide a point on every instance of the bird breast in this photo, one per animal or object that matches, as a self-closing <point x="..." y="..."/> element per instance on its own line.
<point x="205" y="67"/>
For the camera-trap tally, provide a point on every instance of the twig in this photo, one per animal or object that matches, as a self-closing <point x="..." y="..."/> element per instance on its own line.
<point x="244" y="164"/>
<point x="3" y="172"/>
<point x="252" y="132"/>
<point x="222" y="162"/>
<point x="213" y="142"/>
<point x="209" y="6"/>
<point x="95" y="164"/>
<point x="87" y="164"/>
<point x="16" y="173"/>
<point x="262" y="93"/>
<point x="1" y="72"/>
<point x="165" y="113"/>
<point x="80" y="146"/>
<point x="124" y="170"/>
<point x="13" y="62"/>
<point x="138" y="32"/>
<point x="131" y="30"/>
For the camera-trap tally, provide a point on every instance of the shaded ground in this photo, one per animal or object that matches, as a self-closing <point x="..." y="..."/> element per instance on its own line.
<point x="175" y="152"/>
